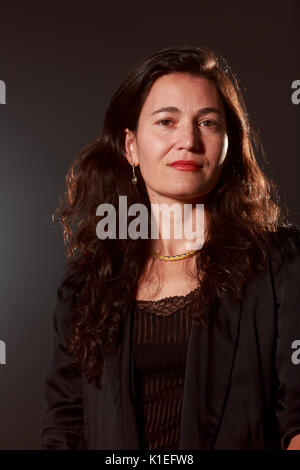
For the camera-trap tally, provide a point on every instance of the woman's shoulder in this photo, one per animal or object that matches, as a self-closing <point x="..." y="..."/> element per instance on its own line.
<point x="67" y="288"/>
<point x="71" y="278"/>
<point x="286" y="236"/>
<point x="285" y="244"/>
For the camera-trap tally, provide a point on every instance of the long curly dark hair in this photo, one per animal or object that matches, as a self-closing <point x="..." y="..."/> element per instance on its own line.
<point x="243" y="207"/>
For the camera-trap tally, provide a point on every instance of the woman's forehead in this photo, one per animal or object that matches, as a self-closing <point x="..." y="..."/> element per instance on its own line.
<point x="177" y="90"/>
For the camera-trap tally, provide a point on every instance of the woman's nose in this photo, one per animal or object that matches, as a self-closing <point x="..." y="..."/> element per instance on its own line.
<point x="188" y="137"/>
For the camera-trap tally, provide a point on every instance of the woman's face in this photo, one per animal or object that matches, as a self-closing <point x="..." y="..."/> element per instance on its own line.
<point x="182" y="119"/>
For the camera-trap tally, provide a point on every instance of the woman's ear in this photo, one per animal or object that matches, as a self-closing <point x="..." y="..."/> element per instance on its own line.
<point x="130" y="147"/>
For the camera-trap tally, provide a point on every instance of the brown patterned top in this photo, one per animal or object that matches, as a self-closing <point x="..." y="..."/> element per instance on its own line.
<point x="160" y="339"/>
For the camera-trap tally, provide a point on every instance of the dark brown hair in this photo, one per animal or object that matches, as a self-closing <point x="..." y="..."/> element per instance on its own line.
<point x="244" y="210"/>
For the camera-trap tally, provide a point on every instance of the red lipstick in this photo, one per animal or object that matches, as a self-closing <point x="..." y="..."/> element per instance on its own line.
<point x="186" y="165"/>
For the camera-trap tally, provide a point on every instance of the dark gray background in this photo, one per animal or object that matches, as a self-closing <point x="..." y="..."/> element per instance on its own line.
<point x="61" y="61"/>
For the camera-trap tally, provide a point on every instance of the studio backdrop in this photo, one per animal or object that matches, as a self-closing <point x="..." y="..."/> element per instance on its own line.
<point x="60" y="62"/>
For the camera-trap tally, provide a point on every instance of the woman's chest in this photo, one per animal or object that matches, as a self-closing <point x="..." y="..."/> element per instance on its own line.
<point x="167" y="279"/>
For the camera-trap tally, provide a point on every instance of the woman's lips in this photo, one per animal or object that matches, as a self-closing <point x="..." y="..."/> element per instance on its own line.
<point x="186" y="165"/>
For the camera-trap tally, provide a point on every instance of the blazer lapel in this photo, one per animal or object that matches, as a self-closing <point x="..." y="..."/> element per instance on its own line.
<point x="118" y="370"/>
<point x="210" y="358"/>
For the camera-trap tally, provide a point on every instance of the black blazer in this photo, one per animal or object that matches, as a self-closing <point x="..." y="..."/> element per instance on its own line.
<point x="242" y="382"/>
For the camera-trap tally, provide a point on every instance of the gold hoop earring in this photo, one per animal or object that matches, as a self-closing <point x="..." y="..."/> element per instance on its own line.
<point x="134" y="178"/>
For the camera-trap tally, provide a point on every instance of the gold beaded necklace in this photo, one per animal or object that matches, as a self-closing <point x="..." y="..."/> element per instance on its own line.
<point x="175" y="257"/>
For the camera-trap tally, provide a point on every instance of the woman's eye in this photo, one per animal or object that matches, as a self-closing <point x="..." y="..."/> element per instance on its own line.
<point x="162" y="121"/>
<point x="209" y="123"/>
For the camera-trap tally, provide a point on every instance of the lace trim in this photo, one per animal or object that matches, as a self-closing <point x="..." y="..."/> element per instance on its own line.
<point x="167" y="305"/>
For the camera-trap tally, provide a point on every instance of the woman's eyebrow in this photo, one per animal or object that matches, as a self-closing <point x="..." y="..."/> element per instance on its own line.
<point x="173" y="109"/>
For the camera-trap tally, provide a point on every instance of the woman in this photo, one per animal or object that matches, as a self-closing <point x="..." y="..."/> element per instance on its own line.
<point x="157" y="345"/>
